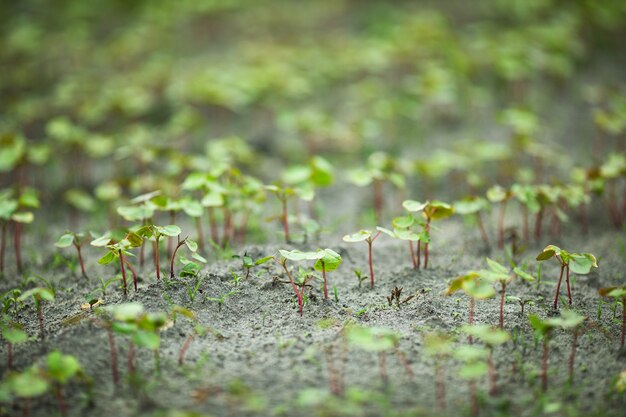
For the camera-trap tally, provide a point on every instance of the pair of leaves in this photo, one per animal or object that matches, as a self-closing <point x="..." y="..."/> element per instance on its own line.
<point x="579" y="263"/>
<point x="326" y="259"/>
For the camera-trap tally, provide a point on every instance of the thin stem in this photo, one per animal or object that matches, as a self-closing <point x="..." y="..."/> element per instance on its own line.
<point x="170" y="239"/>
<point x="378" y="201"/>
<point x="493" y="375"/>
<point x="474" y="397"/>
<point x="382" y="367"/>
<point x="471" y="318"/>
<point x="623" y="320"/>
<point x="405" y="363"/>
<point x="440" y="385"/>
<point x="572" y="357"/>
<point x="369" y="252"/>
<point x="80" y="260"/>
<point x="426" y="245"/>
<point x="525" y="227"/>
<point x="501" y="225"/>
<point x="569" y="290"/>
<point x="121" y="256"/>
<point x="178" y="245"/>
<point x="58" y="392"/>
<point x="412" y="252"/>
<point x="228" y="225"/>
<point x="538" y="224"/>
<point x="293" y="284"/>
<point x="114" y="371"/>
<point x="285" y="219"/>
<point x="17" y="233"/>
<point x="419" y="253"/>
<point x="184" y="348"/>
<point x="156" y="256"/>
<point x="324" y="277"/>
<point x="544" y="365"/>
<point x="200" y="236"/>
<point x="558" y="287"/>
<point x="502" y="304"/>
<point x="483" y="231"/>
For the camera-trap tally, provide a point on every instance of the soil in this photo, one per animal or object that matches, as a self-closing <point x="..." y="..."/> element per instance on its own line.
<point x="261" y="358"/>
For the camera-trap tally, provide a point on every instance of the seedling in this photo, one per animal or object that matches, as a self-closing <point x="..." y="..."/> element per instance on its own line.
<point x="527" y="197"/>
<point x="617" y="293"/>
<point x="77" y="240"/>
<point x="191" y="245"/>
<point x="396" y="295"/>
<point x="474" y="286"/>
<point x="221" y="299"/>
<point x="474" y="206"/>
<point x="501" y="274"/>
<point x="369" y="237"/>
<point x="579" y="263"/>
<point x="543" y="330"/>
<point x="13" y="332"/>
<point x="327" y="260"/>
<point x="297" y="256"/>
<point x="498" y="194"/>
<point x="359" y="276"/>
<point x="474" y="366"/>
<point x="283" y="194"/>
<point x="60" y="369"/>
<point x="431" y="210"/>
<point x="141" y="210"/>
<point x="39" y="295"/>
<point x="491" y="337"/>
<point x="402" y="230"/>
<point x="157" y="232"/>
<point x="523" y="302"/>
<point x="440" y="346"/>
<point x="248" y="263"/>
<point x="118" y="250"/>
<point x="377" y="340"/>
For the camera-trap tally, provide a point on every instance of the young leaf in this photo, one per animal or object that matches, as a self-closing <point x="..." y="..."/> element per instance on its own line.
<point x="65" y="241"/>
<point x="330" y="260"/>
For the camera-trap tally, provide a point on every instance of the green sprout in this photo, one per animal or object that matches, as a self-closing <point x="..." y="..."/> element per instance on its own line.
<point x="327" y="260"/>
<point x="59" y="370"/>
<point x="77" y="240"/>
<point x="402" y="230"/>
<point x="297" y="256"/>
<point x="618" y="293"/>
<point x="439" y="346"/>
<point x="119" y="250"/>
<point x="472" y="207"/>
<point x="475" y="287"/>
<point x="474" y="365"/>
<point x="157" y="232"/>
<point x="431" y="210"/>
<point x="248" y="263"/>
<point x="498" y="194"/>
<point x="579" y="263"/>
<point x="193" y="248"/>
<point x="501" y="274"/>
<point x="283" y="194"/>
<point x="39" y="295"/>
<point x="221" y="299"/>
<point x="491" y="337"/>
<point x="14" y="334"/>
<point x="369" y="237"/>
<point x="28" y="384"/>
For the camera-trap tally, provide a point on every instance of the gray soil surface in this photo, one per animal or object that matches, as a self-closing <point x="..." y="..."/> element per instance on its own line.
<point x="261" y="358"/>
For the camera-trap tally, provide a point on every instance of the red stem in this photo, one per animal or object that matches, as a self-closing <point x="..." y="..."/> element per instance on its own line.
<point x="156" y="257"/>
<point x="382" y="367"/>
<point x="369" y="251"/>
<point x="184" y="348"/>
<point x="17" y="232"/>
<point x="80" y="260"/>
<point x="58" y="392"/>
<point x="474" y="397"/>
<point x="170" y="239"/>
<point x="538" y="223"/>
<point x="200" y="236"/>
<point x="293" y="284"/>
<point x="426" y="245"/>
<point x="132" y="271"/>
<point x="228" y="225"/>
<point x="178" y="245"/>
<point x="483" y="231"/>
<point x="112" y="348"/>
<point x="324" y="276"/>
<point x="558" y="287"/>
<point x="419" y="253"/>
<point x="501" y="225"/>
<point x="121" y="255"/>
<point x="378" y="201"/>
<point x="525" y="224"/>
<point x="285" y="220"/>
<point x="412" y="252"/>
<point x="569" y="290"/>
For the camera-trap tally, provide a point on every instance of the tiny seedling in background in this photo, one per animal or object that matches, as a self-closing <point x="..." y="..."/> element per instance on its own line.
<point x="297" y="256"/>
<point x="39" y="295"/>
<point x="475" y="287"/>
<point x="77" y="240"/>
<point x="14" y="334"/>
<point x="118" y="250"/>
<point x="618" y="293"/>
<point x="359" y="276"/>
<point x="439" y="346"/>
<point x="579" y="263"/>
<point x="473" y="207"/>
<point x="431" y="210"/>
<point x="474" y="365"/>
<point x="157" y="232"/>
<point x="191" y="245"/>
<point x="491" y="337"/>
<point x="498" y="194"/>
<point x="248" y="262"/>
<point x="369" y="237"/>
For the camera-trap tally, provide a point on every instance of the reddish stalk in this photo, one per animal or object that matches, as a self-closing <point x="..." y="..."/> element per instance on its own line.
<point x="382" y="367"/>
<point x="572" y="357"/>
<point x="17" y="237"/>
<point x="156" y="257"/>
<point x="183" y="349"/>
<point x="404" y="361"/>
<point x="285" y="220"/>
<point x="293" y="285"/>
<point x="369" y="252"/>
<point x="419" y="253"/>
<point x="121" y="255"/>
<point x="228" y="226"/>
<point x="569" y="290"/>
<point x="474" y="397"/>
<point x="538" y="224"/>
<point x="426" y="245"/>
<point x="470" y="340"/>
<point x="58" y="392"/>
<point x="178" y="245"/>
<point x="493" y="375"/>
<point x="213" y="225"/>
<point x="483" y="231"/>
<point x="80" y="260"/>
<point x="26" y="409"/>
<point x="170" y="239"/>
<point x="558" y="287"/>
<point x="544" y="365"/>
<point x="324" y="277"/>
<point x="412" y="252"/>
<point x="501" y="225"/>
<point x="502" y="305"/>
<point x="440" y="385"/>
<point x="114" y="371"/>
<point x="142" y="255"/>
